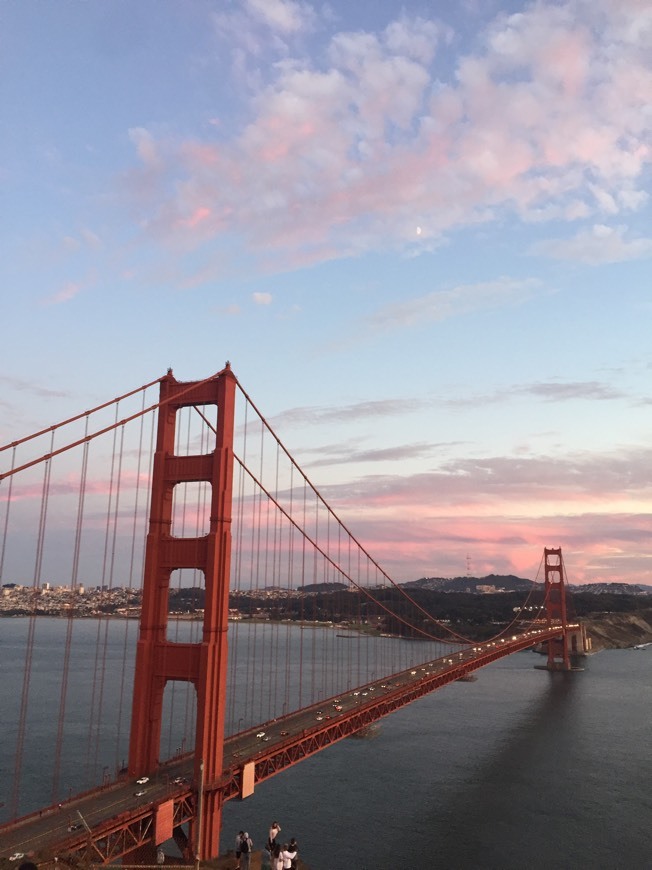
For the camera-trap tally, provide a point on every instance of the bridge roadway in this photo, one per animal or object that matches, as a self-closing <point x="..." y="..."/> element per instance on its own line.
<point x="111" y="821"/>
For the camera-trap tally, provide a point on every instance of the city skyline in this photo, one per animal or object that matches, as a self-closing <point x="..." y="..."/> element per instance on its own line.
<point x="422" y="240"/>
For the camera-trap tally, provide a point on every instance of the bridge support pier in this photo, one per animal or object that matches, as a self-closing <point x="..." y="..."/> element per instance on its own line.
<point x="205" y="828"/>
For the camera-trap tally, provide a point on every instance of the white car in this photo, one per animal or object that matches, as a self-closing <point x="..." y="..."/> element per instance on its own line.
<point x="260" y="735"/>
<point x="142" y="780"/>
<point x="140" y="793"/>
<point x="16" y="856"/>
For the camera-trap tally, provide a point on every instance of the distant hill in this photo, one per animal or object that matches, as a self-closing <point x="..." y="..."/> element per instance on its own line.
<point x="614" y="589"/>
<point x="324" y="587"/>
<point x="494" y="583"/>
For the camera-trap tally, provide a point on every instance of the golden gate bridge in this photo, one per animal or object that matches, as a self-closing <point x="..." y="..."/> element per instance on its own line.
<point x="181" y="492"/>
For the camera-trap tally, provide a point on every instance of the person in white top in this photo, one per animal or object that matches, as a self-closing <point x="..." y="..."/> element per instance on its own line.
<point x="277" y="858"/>
<point x="287" y="857"/>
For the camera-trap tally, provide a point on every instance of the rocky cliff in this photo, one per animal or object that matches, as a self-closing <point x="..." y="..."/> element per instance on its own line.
<point x="619" y="630"/>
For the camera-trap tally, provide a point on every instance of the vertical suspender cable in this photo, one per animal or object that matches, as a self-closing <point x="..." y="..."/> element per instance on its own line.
<point x="291" y="585"/>
<point x="276" y="579"/>
<point x="107" y="621"/>
<point x="29" y="650"/>
<point x="74" y="578"/>
<point x="93" y="728"/>
<point x="7" y="511"/>
<point x="313" y="633"/>
<point x="303" y="598"/>
<point x="234" y="628"/>
<point x="119" y="764"/>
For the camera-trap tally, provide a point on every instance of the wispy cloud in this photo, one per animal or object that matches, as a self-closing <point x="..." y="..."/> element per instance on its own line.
<point x="69" y="290"/>
<point x="561" y="392"/>
<point x="256" y="28"/>
<point x="548" y="391"/>
<point x="281" y="16"/>
<point x="596" y="246"/>
<point x="528" y="481"/>
<point x="464" y="299"/>
<point x="30" y="387"/>
<point x="295" y="417"/>
<point x="399" y="453"/>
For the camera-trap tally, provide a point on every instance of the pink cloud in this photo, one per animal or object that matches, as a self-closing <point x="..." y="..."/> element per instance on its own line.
<point x="65" y="294"/>
<point x="498" y="511"/>
<point x="502" y="512"/>
<point x="609" y="547"/>
<point x="201" y="214"/>
<point x="348" y="156"/>
<point x="69" y="485"/>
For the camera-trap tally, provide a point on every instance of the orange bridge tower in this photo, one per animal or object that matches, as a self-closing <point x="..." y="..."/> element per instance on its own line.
<point x="555" y="592"/>
<point x="158" y="659"/>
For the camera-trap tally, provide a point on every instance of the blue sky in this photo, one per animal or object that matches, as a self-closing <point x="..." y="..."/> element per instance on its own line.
<point x="420" y="233"/>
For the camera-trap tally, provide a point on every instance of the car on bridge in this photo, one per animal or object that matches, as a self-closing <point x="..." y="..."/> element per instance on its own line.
<point x="142" y="780"/>
<point x="140" y="793"/>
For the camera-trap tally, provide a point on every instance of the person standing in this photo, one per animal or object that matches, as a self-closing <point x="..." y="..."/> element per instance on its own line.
<point x="287" y="856"/>
<point x="293" y="846"/>
<point x="266" y="858"/>
<point x="246" y="848"/>
<point x="274" y="831"/>
<point x="277" y="858"/>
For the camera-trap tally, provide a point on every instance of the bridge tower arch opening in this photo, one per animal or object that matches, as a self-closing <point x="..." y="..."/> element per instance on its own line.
<point x="203" y="663"/>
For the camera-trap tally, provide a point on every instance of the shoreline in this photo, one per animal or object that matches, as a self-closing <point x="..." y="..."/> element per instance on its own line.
<point x="607" y="631"/>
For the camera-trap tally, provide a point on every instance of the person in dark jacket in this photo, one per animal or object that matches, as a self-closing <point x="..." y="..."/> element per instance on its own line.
<point x="243" y="849"/>
<point x="293" y="846"/>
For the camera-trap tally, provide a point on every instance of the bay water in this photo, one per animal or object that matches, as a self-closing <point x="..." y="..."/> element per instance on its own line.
<point x="518" y="770"/>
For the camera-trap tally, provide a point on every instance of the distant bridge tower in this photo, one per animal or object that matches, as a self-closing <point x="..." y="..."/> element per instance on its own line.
<point x="204" y="664"/>
<point x="555" y="591"/>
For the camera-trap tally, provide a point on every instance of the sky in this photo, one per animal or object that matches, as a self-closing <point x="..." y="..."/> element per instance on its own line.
<point x="420" y="232"/>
